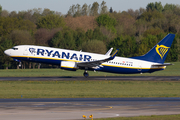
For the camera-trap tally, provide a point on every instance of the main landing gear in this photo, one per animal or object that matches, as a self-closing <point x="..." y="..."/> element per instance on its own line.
<point x="86" y="74"/>
<point x="20" y="64"/>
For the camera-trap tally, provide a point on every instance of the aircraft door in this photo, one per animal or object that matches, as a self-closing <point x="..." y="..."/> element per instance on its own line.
<point x="139" y="66"/>
<point x="25" y="52"/>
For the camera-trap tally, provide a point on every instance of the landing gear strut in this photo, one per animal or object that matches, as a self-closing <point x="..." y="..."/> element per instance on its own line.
<point x="20" y="64"/>
<point x="86" y="74"/>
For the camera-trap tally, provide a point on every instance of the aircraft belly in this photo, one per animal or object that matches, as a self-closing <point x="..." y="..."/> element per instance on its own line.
<point x="39" y="60"/>
<point x="123" y="70"/>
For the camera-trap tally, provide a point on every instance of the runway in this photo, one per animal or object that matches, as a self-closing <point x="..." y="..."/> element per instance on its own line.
<point x="74" y="108"/>
<point x="161" y="78"/>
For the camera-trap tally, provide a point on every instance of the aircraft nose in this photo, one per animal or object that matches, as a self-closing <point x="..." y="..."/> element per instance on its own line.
<point x="7" y="52"/>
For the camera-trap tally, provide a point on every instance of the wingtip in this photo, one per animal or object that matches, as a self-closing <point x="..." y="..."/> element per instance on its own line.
<point x="114" y="54"/>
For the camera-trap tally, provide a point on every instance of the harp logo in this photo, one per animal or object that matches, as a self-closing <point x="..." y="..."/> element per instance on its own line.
<point x="161" y="50"/>
<point x="32" y="50"/>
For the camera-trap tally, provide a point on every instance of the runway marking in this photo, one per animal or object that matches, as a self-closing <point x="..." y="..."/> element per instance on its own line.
<point x="108" y="107"/>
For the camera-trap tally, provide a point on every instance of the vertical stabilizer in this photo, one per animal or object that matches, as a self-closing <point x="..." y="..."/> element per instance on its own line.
<point x="159" y="52"/>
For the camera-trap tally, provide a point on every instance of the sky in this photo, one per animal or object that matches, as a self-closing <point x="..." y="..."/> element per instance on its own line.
<point x="64" y="5"/>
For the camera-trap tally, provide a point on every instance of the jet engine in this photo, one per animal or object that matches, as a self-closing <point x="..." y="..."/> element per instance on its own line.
<point x="67" y="65"/>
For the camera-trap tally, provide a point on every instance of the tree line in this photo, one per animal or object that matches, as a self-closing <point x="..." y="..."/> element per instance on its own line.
<point x="91" y="28"/>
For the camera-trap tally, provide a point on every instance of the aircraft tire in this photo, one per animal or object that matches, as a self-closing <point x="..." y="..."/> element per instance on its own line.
<point x="86" y="74"/>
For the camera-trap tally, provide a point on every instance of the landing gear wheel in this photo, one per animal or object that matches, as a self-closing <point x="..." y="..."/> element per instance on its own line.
<point x="86" y="74"/>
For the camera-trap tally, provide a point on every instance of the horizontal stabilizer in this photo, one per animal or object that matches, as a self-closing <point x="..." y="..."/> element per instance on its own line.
<point x="165" y="64"/>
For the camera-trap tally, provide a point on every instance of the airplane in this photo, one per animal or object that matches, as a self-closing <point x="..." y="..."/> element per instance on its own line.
<point x="73" y="60"/>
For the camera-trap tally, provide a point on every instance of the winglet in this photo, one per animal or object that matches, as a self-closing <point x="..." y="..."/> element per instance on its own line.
<point x="114" y="54"/>
<point x="109" y="52"/>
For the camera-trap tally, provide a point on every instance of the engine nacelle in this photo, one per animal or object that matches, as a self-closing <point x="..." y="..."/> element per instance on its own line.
<point x="66" y="65"/>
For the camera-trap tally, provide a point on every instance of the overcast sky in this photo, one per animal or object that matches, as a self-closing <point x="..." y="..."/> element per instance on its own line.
<point x="63" y="5"/>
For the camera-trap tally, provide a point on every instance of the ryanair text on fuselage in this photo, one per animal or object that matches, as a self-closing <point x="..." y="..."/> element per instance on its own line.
<point x="65" y="55"/>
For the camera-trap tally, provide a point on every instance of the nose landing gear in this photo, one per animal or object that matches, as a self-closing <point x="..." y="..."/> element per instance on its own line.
<point x="86" y="74"/>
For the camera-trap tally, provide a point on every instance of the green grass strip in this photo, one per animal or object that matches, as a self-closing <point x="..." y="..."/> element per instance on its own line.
<point x="152" y="117"/>
<point x="88" y="89"/>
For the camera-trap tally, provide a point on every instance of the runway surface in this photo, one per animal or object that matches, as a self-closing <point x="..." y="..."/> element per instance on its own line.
<point x="162" y="78"/>
<point x="73" y="109"/>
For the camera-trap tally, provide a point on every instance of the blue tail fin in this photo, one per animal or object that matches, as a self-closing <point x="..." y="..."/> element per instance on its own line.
<point x="159" y="52"/>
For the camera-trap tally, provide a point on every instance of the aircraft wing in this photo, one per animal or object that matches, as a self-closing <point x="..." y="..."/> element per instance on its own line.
<point x="97" y="62"/>
<point x="165" y="64"/>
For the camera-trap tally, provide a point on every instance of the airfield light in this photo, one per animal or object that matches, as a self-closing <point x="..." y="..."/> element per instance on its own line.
<point x="91" y="116"/>
<point x="84" y="116"/>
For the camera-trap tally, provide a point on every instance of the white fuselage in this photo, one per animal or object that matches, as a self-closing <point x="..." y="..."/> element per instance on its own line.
<point x="55" y="56"/>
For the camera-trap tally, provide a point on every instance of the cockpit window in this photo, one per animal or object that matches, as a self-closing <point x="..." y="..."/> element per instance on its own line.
<point x="15" y="48"/>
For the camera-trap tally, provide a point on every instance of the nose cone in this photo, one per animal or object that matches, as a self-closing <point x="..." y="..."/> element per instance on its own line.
<point x="7" y="52"/>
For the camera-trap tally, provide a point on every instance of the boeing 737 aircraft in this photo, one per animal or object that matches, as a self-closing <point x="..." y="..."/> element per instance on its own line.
<point x="73" y="60"/>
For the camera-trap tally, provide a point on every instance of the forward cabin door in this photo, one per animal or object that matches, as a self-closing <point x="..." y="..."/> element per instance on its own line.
<point x="25" y="52"/>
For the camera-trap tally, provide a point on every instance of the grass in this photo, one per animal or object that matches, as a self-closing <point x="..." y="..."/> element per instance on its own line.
<point x="88" y="89"/>
<point x="84" y="89"/>
<point x="173" y="70"/>
<point x="152" y="117"/>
